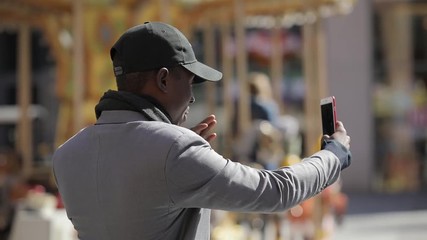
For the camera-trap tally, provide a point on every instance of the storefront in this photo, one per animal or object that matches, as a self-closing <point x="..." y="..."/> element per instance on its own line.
<point x="400" y="95"/>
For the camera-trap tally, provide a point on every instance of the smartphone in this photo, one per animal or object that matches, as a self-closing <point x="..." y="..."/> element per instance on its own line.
<point x="329" y="115"/>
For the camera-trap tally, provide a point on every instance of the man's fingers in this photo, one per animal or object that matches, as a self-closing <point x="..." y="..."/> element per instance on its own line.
<point x="341" y="135"/>
<point x="211" y="137"/>
<point x="204" y="128"/>
<point x="205" y="132"/>
<point x="209" y="119"/>
<point x="340" y="127"/>
<point x="210" y="125"/>
<point x="200" y="127"/>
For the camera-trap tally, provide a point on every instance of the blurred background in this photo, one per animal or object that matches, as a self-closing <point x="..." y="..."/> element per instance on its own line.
<point x="279" y="58"/>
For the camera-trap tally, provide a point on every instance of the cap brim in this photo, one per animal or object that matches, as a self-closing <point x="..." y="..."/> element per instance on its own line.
<point x="203" y="72"/>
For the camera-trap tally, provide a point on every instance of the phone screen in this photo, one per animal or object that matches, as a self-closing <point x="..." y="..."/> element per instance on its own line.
<point x="328" y="118"/>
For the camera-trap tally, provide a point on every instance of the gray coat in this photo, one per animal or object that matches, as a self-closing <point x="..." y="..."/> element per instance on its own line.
<point x="125" y="178"/>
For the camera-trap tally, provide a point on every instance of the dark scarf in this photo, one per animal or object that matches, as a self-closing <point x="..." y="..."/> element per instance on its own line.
<point x="120" y="100"/>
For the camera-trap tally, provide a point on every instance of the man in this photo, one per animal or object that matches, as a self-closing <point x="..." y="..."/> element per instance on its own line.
<point x="136" y="174"/>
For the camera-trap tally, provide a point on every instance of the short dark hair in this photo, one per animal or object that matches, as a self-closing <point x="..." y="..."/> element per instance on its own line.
<point x="133" y="82"/>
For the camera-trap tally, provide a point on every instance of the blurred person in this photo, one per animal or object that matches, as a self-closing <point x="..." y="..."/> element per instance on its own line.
<point x="258" y="144"/>
<point x="263" y="105"/>
<point x="137" y="174"/>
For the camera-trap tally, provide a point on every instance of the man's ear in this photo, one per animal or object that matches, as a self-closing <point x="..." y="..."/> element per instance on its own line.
<point x="162" y="78"/>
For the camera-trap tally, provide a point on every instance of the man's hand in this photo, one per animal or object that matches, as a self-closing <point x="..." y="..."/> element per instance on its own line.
<point x="340" y="135"/>
<point x="204" y="127"/>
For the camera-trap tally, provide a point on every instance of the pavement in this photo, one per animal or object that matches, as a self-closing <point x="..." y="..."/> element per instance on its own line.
<point x="385" y="217"/>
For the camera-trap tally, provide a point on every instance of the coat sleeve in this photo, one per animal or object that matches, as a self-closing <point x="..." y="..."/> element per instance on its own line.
<point x="197" y="176"/>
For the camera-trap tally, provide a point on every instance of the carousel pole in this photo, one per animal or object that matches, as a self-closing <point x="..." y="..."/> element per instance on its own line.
<point x="78" y="65"/>
<point x="277" y="63"/>
<point x="25" y="143"/>
<point x="315" y="78"/>
<point x="209" y="50"/>
<point x="314" y="88"/>
<point x="228" y="101"/>
<point x="324" y="207"/>
<point x="242" y="68"/>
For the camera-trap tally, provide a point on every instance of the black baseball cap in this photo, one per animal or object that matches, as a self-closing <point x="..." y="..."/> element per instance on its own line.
<point x="154" y="45"/>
